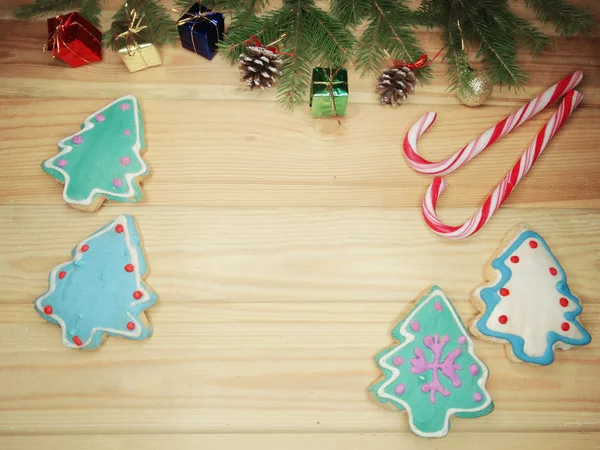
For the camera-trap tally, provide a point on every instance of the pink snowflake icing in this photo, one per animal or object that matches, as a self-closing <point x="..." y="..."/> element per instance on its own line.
<point x="420" y="365"/>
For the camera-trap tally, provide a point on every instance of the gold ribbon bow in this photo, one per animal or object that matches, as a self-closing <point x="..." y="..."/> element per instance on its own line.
<point x="134" y="26"/>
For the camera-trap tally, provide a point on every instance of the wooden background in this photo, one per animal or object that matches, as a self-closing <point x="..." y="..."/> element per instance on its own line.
<point x="283" y="255"/>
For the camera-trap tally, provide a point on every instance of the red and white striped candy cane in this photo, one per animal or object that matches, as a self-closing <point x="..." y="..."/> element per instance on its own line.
<point x="506" y="186"/>
<point x="478" y="145"/>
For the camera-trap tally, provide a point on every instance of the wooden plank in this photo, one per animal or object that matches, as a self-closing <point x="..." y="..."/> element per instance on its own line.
<point x="291" y="254"/>
<point x="294" y="441"/>
<point x="233" y="165"/>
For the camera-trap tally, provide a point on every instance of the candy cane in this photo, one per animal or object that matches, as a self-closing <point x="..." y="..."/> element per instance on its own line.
<point x="506" y="186"/>
<point x="478" y="145"/>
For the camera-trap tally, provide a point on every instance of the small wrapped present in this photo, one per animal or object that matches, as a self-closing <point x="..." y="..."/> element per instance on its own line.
<point x="200" y="29"/>
<point x="329" y="92"/>
<point x="135" y="43"/>
<point x="73" y="40"/>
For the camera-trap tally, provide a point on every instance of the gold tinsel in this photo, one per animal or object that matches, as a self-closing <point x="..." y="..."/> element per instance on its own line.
<point x="481" y="88"/>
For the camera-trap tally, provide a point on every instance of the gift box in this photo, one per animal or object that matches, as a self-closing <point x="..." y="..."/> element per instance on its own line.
<point x="74" y="40"/>
<point x="136" y="46"/>
<point x="200" y="29"/>
<point x="329" y="92"/>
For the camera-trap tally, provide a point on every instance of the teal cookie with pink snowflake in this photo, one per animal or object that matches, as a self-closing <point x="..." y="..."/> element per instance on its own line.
<point x="103" y="160"/>
<point x="101" y="290"/>
<point x="432" y="372"/>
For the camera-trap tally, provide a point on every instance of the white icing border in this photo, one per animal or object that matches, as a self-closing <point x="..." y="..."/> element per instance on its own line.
<point x="88" y="126"/>
<point x="146" y="297"/>
<point x="396" y="372"/>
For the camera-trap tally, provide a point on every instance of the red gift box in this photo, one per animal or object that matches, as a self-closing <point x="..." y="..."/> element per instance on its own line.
<point x="74" y="40"/>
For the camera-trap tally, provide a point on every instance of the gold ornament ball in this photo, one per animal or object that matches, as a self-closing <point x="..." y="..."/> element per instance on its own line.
<point x="481" y="87"/>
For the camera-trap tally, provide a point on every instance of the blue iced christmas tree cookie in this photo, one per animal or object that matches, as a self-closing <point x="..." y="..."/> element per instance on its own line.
<point x="527" y="302"/>
<point x="433" y="372"/>
<point x="102" y="160"/>
<point x="101" y="290"/>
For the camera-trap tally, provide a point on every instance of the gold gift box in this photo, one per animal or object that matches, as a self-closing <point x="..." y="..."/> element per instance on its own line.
<point x="137" y="50"/>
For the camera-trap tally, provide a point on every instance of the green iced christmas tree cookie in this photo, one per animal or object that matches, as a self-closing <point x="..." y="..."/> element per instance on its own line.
<point x="102" y="160"/>
<point x="433" y="372"/>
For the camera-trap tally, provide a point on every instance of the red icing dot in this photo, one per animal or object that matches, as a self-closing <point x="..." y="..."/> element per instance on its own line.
<point x="533" y="244"/>
<point x="504" y="292"/>
<point x="48" y="309"/>
<point x="502" y="319"/>
<point x="77" y="341"/>
<point x="85" y="248"/>
<point x="129" y="267"/>
<point x="137" y="295"/>
<point x="564" y="302"/>
<point x="514" y="259"/>
<point x="130" y="325"/>
<point x="553" y="271"/>
<point x="119" y="228"/>
<point x="565" y="326"/>
<point x="62" y="274"/>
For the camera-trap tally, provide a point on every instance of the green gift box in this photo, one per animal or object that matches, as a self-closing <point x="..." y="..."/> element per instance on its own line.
<point x="329" y="92"/>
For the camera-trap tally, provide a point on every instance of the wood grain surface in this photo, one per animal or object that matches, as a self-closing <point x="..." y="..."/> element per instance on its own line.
<point x="283" y="255"/>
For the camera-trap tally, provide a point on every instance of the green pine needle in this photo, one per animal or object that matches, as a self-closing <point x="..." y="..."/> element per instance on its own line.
<point x="90" y="9"/>
<point x="568" y="20"/>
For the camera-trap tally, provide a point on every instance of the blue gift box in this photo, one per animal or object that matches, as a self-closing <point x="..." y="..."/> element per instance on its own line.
<point x="200" y="30"/>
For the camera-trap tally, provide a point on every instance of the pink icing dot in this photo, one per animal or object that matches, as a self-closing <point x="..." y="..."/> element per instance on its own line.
<point x="62" y="162"/>
<point x="127" y="132"/>
<point x="77" y="139"/>
<point x="415" y="326"/>
<point x="398" y="360"/>
<point x="462" y="340"/>
<point x="437" y="306"/>
<point x="125" y="106"/>
<point x="100" y="118"/>
<point x="117" y="182"/>
<point x="125" y="161"/>
<point x="477" y="397"/>
<point x="400" y="389"/>
<point x="473" y="369"/>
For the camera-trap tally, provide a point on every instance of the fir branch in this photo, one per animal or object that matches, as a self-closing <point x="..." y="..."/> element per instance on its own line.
<point x="90" y="9"/>
<point x="297" y="68"/>
<point x="156" y="17"/>
<point x="387" y="32"/>
<point x="528" y="36"/>
<point x="459" y="70"/>
<point x="335" y="41"/>
<point x="568" y="20"/>
<point x="497" y="49"/>
<point x="350" y="12"/>
<point x="266" y="27"/>
<point x="215" y="5"/>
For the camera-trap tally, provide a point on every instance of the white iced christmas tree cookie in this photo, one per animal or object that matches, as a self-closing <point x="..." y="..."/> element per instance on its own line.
<point x="527" y="303"/>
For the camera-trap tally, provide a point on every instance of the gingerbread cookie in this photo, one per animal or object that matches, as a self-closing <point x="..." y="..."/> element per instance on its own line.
<point x="526" y="302"/>
<point x="432" y="372"/>
<point x="102" y="160"/>
<point x="101" y="290"/>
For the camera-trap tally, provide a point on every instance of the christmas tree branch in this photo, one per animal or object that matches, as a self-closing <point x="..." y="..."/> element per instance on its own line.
<point x="90" y="9"/>
<point x="387" y="32"/>
<point x="215" y="5"/>
<point x="568" y="20"/>
<point x="244" y="23"/>
<point x="155" y="16"/>
<point x="459" y="72"/>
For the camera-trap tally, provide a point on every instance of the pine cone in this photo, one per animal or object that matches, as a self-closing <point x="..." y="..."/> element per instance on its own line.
<point x="395" y="84"/>
<point x="260" y="67"/>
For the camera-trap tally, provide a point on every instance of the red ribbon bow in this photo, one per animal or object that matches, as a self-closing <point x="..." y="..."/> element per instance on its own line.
<point x="254" y="40"/>
<point x="418" y="64"/>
